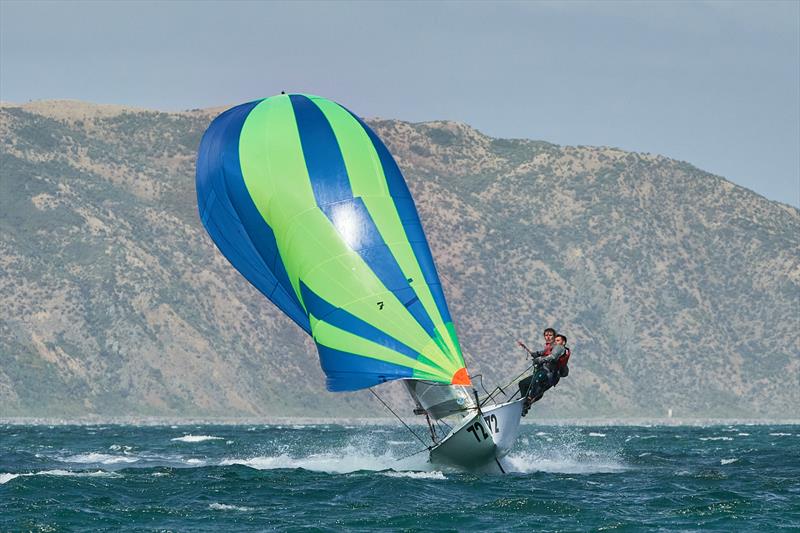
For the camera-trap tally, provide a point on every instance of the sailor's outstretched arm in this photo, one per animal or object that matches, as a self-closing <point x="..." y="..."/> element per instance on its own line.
<point x="522" y="345"/>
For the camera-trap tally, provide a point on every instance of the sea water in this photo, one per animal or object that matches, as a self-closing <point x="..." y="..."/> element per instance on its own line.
<point x="358" y="478"/>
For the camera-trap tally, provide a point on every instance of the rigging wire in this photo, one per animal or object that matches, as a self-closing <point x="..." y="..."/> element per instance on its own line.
<point x="464" y="352"/>
<point x="400" y="419"/>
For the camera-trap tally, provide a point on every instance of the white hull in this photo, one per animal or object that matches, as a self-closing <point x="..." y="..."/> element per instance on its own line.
<point x="482" y="440"/>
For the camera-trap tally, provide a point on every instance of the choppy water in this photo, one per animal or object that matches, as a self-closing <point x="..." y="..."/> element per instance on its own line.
<point x="332" y="478"/>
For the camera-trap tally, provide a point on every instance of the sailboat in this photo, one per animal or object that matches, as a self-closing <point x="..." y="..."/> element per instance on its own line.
<point x="307" y="203"/>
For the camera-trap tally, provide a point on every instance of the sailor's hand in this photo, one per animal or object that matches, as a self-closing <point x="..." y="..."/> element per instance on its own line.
<point x="522" y="345"/>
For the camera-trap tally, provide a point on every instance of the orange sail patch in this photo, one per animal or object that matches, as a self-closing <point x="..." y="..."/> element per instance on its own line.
<point x="461" y="377"/>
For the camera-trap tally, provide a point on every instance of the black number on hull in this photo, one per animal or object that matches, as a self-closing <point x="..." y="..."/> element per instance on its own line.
<point x="474" y="428"/>
<point x="492" y="419"/>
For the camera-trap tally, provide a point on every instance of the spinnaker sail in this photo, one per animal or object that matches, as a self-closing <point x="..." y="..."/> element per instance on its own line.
<point x="307" y="203"/>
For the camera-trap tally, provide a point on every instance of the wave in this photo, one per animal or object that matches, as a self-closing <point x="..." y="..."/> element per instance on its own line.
<point x="195" y="438"/>
<point x="6" y="477"/>
<point x="99" y="458"/>
<point x="728" y="461"/>
<point x="143" y="459"/>
<point x="225" y="507"/>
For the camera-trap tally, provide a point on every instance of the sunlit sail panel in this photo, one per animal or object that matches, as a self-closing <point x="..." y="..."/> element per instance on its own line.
<point x="307" y="203"/>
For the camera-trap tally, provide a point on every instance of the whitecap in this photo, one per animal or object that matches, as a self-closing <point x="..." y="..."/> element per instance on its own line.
<point x="417" y="475"/>
<point x="5" y="477"/>
<point x="195" y="438"/>
<point x="225" y="507"/>
<point x="780" y="434"/>
<point x="195" y="462"/>
<point x="597" y="434"/>
<point x="727" y="461"/>
<point x="397" y="442"/>
<point x="743" y="434"/>
<point x="99" y="458"/>
<point x="716" y="438"/>
<point x="541" y="433"/>
<point x="96" y="473"/>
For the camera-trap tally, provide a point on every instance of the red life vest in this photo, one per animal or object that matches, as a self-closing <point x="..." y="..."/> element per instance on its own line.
<point x="564" y="359"/>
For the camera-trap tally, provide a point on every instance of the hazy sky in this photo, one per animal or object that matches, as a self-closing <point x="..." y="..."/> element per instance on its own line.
<point x="712" y="83"/>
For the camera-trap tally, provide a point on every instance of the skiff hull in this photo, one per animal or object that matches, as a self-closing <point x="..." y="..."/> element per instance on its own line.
<point x="482" y="440"/>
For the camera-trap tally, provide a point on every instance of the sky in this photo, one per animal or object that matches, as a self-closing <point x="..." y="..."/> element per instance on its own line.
<point x="716" y="84"/>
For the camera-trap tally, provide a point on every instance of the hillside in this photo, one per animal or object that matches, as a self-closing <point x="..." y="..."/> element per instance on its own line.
<point x="677" y="288"/>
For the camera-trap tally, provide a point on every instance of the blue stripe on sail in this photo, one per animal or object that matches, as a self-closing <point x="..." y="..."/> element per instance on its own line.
<point x="409" y="217"/>
<point x="331" y="185"/>
<point x="241" y="235"/>
<point x="347" y="371"/>
<point x="260" y="233"/>
<point x="324" y="161"/>
<point x="336" y="316"/>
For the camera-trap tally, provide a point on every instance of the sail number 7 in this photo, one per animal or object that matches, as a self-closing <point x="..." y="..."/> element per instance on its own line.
<point x="479" y="432"/>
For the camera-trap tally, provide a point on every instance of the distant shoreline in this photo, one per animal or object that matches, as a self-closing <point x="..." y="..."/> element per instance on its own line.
<point x="278" y="421"/>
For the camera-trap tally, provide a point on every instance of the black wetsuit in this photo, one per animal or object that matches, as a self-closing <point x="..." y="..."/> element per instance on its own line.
<point x="545" y="375"/>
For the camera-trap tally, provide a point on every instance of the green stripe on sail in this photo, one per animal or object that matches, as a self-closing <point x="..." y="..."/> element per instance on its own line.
<point x="269" y="146"/>
<point x="363" y="166"/>
<point x="339" y="339"/>
<point x="276" y="178"/>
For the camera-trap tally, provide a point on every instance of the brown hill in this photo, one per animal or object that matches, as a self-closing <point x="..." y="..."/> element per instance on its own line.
<point x="677" y="288"/>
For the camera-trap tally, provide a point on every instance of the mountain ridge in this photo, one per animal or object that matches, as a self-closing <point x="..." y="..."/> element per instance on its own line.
<point x="629" y="248"/>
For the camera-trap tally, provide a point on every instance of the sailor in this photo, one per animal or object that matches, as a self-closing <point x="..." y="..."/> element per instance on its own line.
<point x="525" y="386"/>
<point x="562" y="370"/>
<point x="548" y="365"/>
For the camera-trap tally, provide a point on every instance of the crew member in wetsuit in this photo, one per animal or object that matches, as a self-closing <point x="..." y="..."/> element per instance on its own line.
<point x="549" y="336"/>
<point x="562" y="368"/>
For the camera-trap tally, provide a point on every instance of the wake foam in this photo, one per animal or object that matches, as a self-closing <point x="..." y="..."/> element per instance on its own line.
<point x="353" y="457"/>
<point x="436" y="474"/>
<point x="564" y="453"/>
<point x="563" y="463"/>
